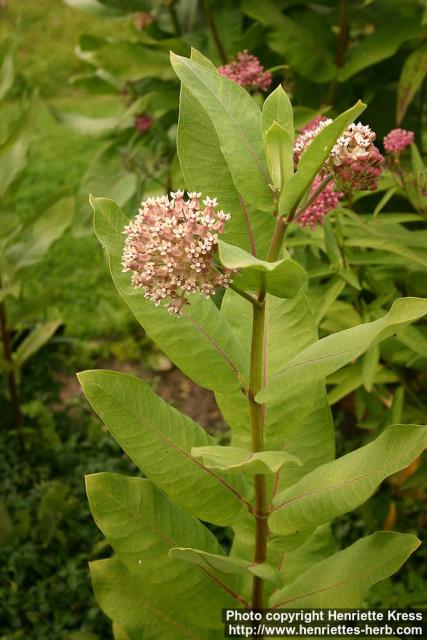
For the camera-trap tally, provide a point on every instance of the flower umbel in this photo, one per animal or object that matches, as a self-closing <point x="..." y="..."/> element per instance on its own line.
<point x="170" y="248"/>
<point x="327" y="200"/>
<point x="397" y="140"/>
<point x="247" y="71"/>
<point x="355" y="160"/>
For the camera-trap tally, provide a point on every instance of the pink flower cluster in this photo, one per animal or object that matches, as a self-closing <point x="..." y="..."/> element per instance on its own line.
<point x="327" y="200"/>
<point x="397" y="140"/>
<point x="247" y="71"/>
<point x="143" y="122"/>
<point x="355" y="161"/>
<point x="170" y="248"/>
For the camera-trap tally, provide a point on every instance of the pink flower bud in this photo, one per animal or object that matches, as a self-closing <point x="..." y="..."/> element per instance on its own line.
<point x="247" y="71"/>
<point x="170" y="249"/>
<point x="143" y="122"/>
<point x="397" y="140"/>
<point x="326" y="201"/>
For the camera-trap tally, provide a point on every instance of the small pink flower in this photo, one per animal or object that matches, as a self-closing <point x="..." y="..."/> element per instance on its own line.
<point x="307" y="135"/>
<point x="397" y="140"/>
<point x="326" y="201"/>
<point x="356" y="161"/>
<point x="313" y="124"/>
<point x="247" y="71"/>
<point x="170" y="248"/>
<point x="143" y="122"/>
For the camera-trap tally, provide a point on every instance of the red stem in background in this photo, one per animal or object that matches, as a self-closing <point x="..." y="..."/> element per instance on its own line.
<point x="11" y="377"/>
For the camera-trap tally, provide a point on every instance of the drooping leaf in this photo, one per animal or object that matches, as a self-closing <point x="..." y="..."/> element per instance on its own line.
<point x="35" y="341"/>
<point x="121" y="595"/>
<point x="6" y="75"/>
<point x="215" y="361"/>
<point x="14" y="150"/>
<point x="343" y="484"/>
<point x="382" y="44"/>
<point x="159" y="440"/>
<point x="143" y="525"/>
<point x="333" y="352"/>
<point x="36" y="240"/>
<point x="313" y="158"/>
<point x="237" y="121"/>
<point x="343" y="579"/>
<point x="235" y="460"/>
<point x="283" y="278"/>
<point x="226" y="564"/>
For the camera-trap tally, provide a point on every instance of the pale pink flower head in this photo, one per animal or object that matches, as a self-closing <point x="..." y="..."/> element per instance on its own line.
<point x="397" y="140"/>
<point x="326" y="201"/>
<point x="170" y="248"/>
<point x="307" y="135"/>
<point x="313" y="124"/>
<point x="143" y="122"/>
<point x="247" y="71"/>
<point x="355" y="160"/>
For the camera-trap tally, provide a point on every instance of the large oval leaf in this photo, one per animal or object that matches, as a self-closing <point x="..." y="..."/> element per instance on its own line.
<point x="159" y="440"/>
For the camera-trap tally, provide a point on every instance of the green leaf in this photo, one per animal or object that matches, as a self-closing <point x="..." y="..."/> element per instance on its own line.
<point x="86" y="125"/>
<point x="413" y="73"/>
<point x="6" y="75"/>
<point x="235" y="460"/>
<point x="159" y="440"/>
<point x="313" y="158"/>
<point x="35" y="341"/>
<point x="14" y="150"/>
<point x="216" y="360"/>
<point x="280" y="155"/>
<point x="204" y="169"/>
<point x="283" y="278"/>
<point x="121" y="595"/>
<point x="237" y="121"/>
<point x="90" y="6"/>
<point x="278" y="108"/>
<point x="106" y="174"/>
<point x="39" y="237"/>
<point x="340" y="486"/>
<point x="343" y="579"/>
<point x="226" y="564"/>
<point x="370" y="365"/>
<point x="143" y="525"/>
<point x="298" y="45"/>
<point x="335" y="351"/>
<point x="379" y="46"/>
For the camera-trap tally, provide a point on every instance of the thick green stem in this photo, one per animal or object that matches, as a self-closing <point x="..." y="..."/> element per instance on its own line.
<point x="11" y="377"/>
<point x="257" y="425"/>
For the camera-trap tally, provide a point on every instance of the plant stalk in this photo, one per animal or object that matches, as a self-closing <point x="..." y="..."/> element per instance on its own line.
<point x="257" y="418"/>
<point x="341" y="47"/>
<point x="214" y="31"/>
<point x="257" y="426"/>
<point x="174" y="17"/>
<point x="11" y="377"/>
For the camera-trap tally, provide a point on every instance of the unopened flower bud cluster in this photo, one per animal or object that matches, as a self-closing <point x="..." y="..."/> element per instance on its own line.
<point x="397" y="140"/>
<point x="247" y="71"/>
<point x="170" y="248"/>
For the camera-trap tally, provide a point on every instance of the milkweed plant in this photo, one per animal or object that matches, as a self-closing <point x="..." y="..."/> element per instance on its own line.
<point x="207" y="274"/>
